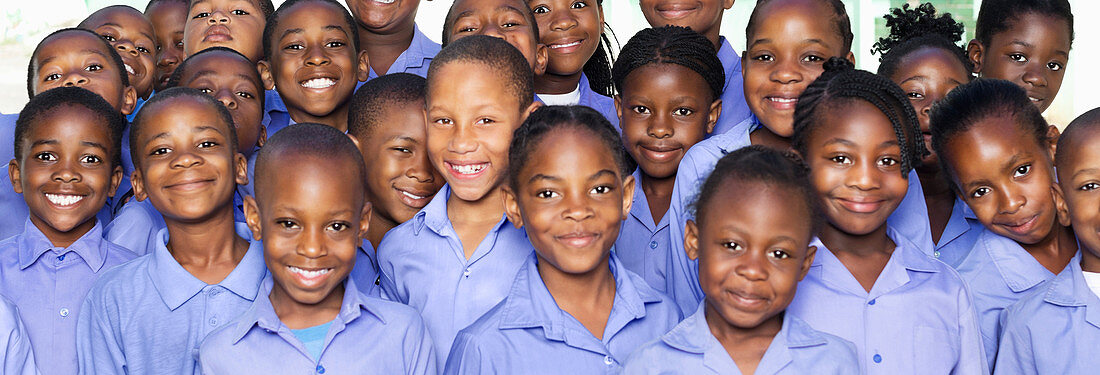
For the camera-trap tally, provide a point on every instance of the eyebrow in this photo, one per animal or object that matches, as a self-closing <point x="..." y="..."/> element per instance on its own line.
<point x="497" y="9"/>
<point x="403" y="138"/>
<point x="54" y="57"/>
<point x="196" y="129"/>
<point x="204" y="73"/>
<point x="803" y="42"/>
<point x="1083" y="171"/>
<point x="56" y="142"/>
<point x="594" y="176"/>
<point x="841" y="141"/>
<point x="45" y="142"/>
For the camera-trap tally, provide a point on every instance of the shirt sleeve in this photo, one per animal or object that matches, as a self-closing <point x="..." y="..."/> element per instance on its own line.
<point x="17" y="356"/>
<point x="419" y="350"/>
<point x="465" y="357"/>
<point x="971" y="348"/>
<point x="98" y="346"/>
<point x="386" y="272"/>
<point x="1015" y="354"/>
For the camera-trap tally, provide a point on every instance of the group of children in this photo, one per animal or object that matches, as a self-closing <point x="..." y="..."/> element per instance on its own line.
<point x="220" y="186"/>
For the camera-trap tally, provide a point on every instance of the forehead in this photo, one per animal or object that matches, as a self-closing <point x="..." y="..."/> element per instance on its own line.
<point x="296" y="174"/>
<point x="183" y="115"/>
<point x="569" y="151"/>
<point x="471" y="82"/>
<point x="314" y="13"/>
<point x="222" y="67"/>
<point x="670" y="78"/>
<point x="66" y="121"/>
<point x="932" y="61"/>
<point x="225" y="3"/>
<point x="853" y="120"/>
<point x="1036" y="30"/>
<point x="481" y="8"/>
<point x="72" y="43"/>
<point x="1084" y="151"/>
<point x="744" y="203"/>
<point x="991" y="138"/>
<point x="124" y="18"/>
<point x="168" y="12"/>
<point x="796" y="21"/>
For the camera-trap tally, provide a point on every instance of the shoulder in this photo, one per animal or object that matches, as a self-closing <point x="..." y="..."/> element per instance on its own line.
<point x="656" y="303"/>
<point x="395" y="315"/>
<point x="831" y="351"/>
<point x="406" y="237"/>
<point x="656" y="355"/>
<point x="216" y="347"/>
<point x="117" y="254"/>
<point x="9" y="250"/>
<point x="119" y="282"/>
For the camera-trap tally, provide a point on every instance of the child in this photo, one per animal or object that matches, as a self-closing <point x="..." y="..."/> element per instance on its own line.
<point x="386" y="121"/>
<point x="573" y="308"/>
<point x="66" y="57"/>
<point x="132" y="35"/>
<point x="148" y="316"/>
<point x="1063" y="310"/>
<point x="921" y="56"/>
<point x="670" y="85"/>
<point x="67" y="164"/>
<point x="510" y="20"/>
<point x="996" y="149"/>
<point x="388" y="33"/>
<point x="229" y="77"/>
<point x="904" y="311"/>
<point x="753" y="250"/>
<point x="1026" y="42"/>
<point x="454" y="260"/>
<point x="705" y="18"/>
<point x="311" y="59"/>
<point x="235" y="24"/>
<point x="311" y="220"/>
<point x="168" y="18"/>
<point x="578" y="69"/>
<point x="17" y="356"/>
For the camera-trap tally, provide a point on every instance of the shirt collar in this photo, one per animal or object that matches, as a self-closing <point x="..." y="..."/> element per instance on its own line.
<point x="262" y="314"/>
<point x="737" y="137"/>
<point x="640" y="208"/>
<point x="176" y="286"/>
<point x="1017" y="267"/>
<point x="906" y="257"/>
<point x="89" y="246"/>
<point x="693" y="335"/>
<point x="434" y="214"/>
<point x="1069" y="289"/>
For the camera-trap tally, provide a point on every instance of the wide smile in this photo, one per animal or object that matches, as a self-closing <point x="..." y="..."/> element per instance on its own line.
<point x="566" y="46"/>
<point x="318" y="83"/>
<point x="413" y="198"/>
<point x="466" y="170"/>
<point x="189" y="185"/>
<point x="64" y="200"/>
<point x="781" y="102"/>
<point x="309" y="277"/>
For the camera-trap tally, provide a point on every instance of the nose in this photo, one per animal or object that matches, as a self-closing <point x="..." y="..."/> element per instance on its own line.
<point x="577" y="207"/>
<point x="659" y="127"/>
<point x="66" y="172"/>
<point x="752" y="267"/>
<point x="227" y="98"/>
<point x="315" y="56"/>
<point x="75" y="79"/>
<point x="863" y="176"/>
<point x="1010" y="201"/>
<point x="421" y="170"/>
<point x="167" y="57"/>
<point x="125" y="46"/>
<point x="463" y="140"/>
<point x="185" y="159"/>
<point x="218" y="17"/>
<point x="1035" y="75"/>
<point x="312" y="243"/>
<point x="562" y="20"/>
<point x="786" y="72"/>
<point x="493" y="31"/>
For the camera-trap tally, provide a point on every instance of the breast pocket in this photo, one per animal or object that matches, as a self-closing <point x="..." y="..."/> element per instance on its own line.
<point x="936" y="351"/>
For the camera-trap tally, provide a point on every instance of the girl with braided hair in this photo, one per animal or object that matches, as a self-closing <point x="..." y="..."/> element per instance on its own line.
<point x="921" y="54"/>
<point x="905" y="312"/>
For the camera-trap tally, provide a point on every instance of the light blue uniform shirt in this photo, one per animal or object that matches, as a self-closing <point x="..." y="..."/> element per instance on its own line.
<point x="642" y="244"/>
<point x="734" y="108"/>
<point x="415" y="60"/>
<point x="1000" y="272"/>
<point x="918" y="317"/>
<point x="137" y="223"/>
<point x="148" y="316"/>
<point x="369" y="335"/>
<point x="959" y="235"/>
<point x="365" y="273"/>
<point x="605" y="105"/>
<point x="49" y="284"/>
<point x="424" y="266"/>
<point x="11" y="203"/>
<point x="16" y="357"/>
<point x="1054" y="329"/>
<point x="691" y="348"/>
<point x="528" y="333"/>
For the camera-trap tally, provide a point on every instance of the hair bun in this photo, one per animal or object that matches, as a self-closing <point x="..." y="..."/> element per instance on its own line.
<point x="838" y="64"/>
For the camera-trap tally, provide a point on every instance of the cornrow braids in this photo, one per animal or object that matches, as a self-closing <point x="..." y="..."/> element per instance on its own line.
<point x="913" y="29"/>
<point x="598" y="68"/>
<point x="671" y="45"/>
<point x="546" y="119"/>
<point x="841" y="81"/>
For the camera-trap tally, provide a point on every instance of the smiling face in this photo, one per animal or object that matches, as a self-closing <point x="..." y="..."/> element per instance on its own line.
<point x="702" y="16"/>
<point x="926" y="75"/>
<point x="571" y="199"/>
<point x="1006" y="178"/>
<point x="78" y="59"/>
<point x="233" y="81"/>
<point x="314" y="63"/>
<point x="1032" y="53"/>
<point x="186" y="163"/>
<point x="664" y="109"/>
<point x="400" y="179"/>
<point x="384" y="16"/>
<point x="132" y="35"/>
<point x="236" y="24"/>
<point x="786" y="53"/>
<point x="168" y="18"/>
<point x="571" y="29"/>
<point x="311" y="222"/>
<point x="752" y="253"/>
<point x="855" y="162"/>
<point x="65" y="172"/>
<point x="505" y="19"/>
<point x="1079" y="176"/>
<point x="471" y="118"/>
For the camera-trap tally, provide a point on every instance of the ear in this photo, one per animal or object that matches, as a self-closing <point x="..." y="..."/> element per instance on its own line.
<point x="713" y="114"/>
<point x="265" y="74"/>
<point x="691" y="240"/>
<point x="511" y="207"/>
<point x="260" y="142"/>
<point x="353" y="140"/>
<point x="252" y="217"/>
<point x="542" y="57"/>
<point x="364" y="220"/>
<point x="364" y="66"/>
<point x="975" y="51"/>
<point x="618" y="107"/>
<point x="1052" y="136"/>
<point x="603" y="24"/>
<point x="811" y="251"/>
<point x="13" y="176"/>
<point x="851" y="57"/>
<point x="138" y="185"/>
<point x="241" y="170"/>
<point x="628" y="195"/>
<point x="727" y="4"/>
<point x="116" y="179"/>
<point x="1060" y="206"/>
<point x="527" y="112"/>
<point x="129" y="100"/>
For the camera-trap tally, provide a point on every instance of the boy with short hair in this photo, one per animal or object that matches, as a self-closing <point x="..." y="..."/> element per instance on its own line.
<point x="389" y="35"/>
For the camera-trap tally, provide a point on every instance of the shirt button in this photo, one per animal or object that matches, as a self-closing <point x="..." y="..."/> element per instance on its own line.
<point x="466" y="273"/>
<point x="652" y="244"/>
<point x="871" y="302"/>
<point x="877" y="358"/>
<point x="937" y="254"/>
<point x="215" y="292"/>
<point x="214" y="321"/>
<point x="320" y="369"/>
<point x="607" y="360"/>
<point x="61" y="257"/>
<point x="64" y="312"/>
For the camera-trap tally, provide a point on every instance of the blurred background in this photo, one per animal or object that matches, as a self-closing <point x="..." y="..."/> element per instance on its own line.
<point x="22" y="27"/>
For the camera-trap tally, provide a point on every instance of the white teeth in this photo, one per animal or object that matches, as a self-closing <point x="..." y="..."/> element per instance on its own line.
<point x="385" y="1"/>
<point x="64" y="199"/>
<point x="468" y="169"/>
<point x="1034" y="99"/>
<point x="783" y="100"/>
<point x="129" y="69"/>
<point x="308" y="273"/>
<point x="567" y="45"/>
<point x="318" y="83"/>
<point x="410" y="195"/>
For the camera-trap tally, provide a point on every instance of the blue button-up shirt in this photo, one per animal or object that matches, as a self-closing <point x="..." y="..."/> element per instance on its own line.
<point x="17" y="358"/>
<point x="49" y="283"/>
<point x="416" y="59"/>
<point x="959" y="235"/>
<point x="259" y="343"/>
<point x="642" y="244"/>
<point x="918" y="317"/>
<point x="1052" y="330"/>
<point x="424" y="266"/>
<point x="365" y="273"/>
<point x="11" y="203"/>
<point x="691" y="348"/>
<point x="734" y="108"/>
<point x="605" y="105"/>
<point x="528" y="333"/>
<point x="137" y="223"/>
<point x="1000" y="272"/>
<point x="149" y="316"/>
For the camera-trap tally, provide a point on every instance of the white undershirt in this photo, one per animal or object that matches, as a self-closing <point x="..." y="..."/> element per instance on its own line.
<point x="571" y="98"/>
<point x="1092" y="279"/>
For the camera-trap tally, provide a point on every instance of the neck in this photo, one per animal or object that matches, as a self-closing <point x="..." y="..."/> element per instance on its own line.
<point x="212" y="240"/>
<point x="384" y="48"/>
<point x="584" y="291"/>
<point x="555" y="84"/>
<point x="338" y="118"/>
<point x="658" y="194"/>
<point x="1059" y="244"/>
<point x="63" y="239"/>
<point x="939" y="199"/>
<point x="488" y="208"/>
<point x="298" y="315"/>
<point x="765" y="137"/>
<point x="1089" y="261"/>
<point x="732" y="336"/>
<point x="714" y="37"/>
<point x="863" y="245"/>
<point x="379" y="225"/>
<point x="934" y="183"/>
